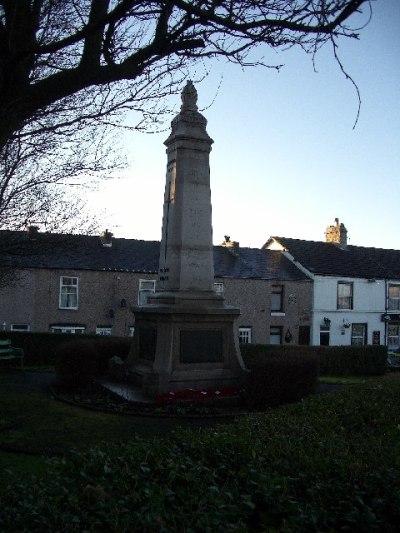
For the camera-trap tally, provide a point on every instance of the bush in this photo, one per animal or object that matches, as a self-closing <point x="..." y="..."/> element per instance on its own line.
<point x="42" y="348"/>
<point x="353" y="360"/>
<point x="76" y="363"/>
<point x="319" y="465"/>
<point x="107" y="347"/>
<point x="334" y="360"/>
<point x="277" y="378"/>
<point x="80" y="360"/>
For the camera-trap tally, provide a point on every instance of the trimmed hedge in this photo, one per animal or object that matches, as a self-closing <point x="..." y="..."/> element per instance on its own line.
<point x="353" y="360"/>
<point x="81" y="359"/>
<point x="330" y="463"/>
<point x="278" y="378"/>
<point x="334" y="360"/>
<point x="41" y="348"/>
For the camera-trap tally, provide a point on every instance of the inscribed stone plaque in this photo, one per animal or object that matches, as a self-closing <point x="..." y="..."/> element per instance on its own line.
<point x="201" y="346"/>
<point x="147" y="343"/>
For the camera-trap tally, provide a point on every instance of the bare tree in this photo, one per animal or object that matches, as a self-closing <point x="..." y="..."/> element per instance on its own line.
<point x="64" y="62"/>
<point x="70" y="69"/>
<point x="42" y="177"/>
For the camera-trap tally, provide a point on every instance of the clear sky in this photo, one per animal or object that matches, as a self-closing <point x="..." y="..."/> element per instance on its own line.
<point x="286" y="160"/>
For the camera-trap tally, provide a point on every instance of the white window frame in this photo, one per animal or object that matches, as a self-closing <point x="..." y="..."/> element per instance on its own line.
<point x="359" y="336"/>
<point x="393" y="336"/>
<point x="219" y="287"/>
<point x="20" y="327"/>
<point x="103" y="330"/>
<point x="277" y="292"/>
<point x="278" y="330"/>
<point x="145" y="291"/>
<point x="65" y="293"/>
<point x="73" y="330"/>
<point x="245" y="335"/>
<point x="394" y="302"/>
<point x="345" y="301"/>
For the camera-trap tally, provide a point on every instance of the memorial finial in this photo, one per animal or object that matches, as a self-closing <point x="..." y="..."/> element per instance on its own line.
<point x="189" y="97"/>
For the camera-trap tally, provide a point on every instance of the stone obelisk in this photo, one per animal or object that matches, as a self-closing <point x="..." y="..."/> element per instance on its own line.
<point x="185" y="336"/>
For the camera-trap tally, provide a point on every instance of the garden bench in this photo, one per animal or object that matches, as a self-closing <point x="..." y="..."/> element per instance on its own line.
<point x="10" y="353"/>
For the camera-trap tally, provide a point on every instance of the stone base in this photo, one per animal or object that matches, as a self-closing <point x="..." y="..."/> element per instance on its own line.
<point x="179" y="347"/>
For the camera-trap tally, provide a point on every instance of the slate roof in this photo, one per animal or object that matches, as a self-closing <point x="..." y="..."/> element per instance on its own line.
<point x="82" y="252"/>
<point x="331" y="259"/>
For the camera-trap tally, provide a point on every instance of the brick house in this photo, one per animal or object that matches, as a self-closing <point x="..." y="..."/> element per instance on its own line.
<point x="88" y="284"/>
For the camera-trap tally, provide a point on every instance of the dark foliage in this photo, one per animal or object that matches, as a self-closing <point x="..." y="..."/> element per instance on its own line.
<point x="334" y="360"/>
<point x="277" y="378"/>
<point x="42" y="348"/>
<point x="80" y="360"/>
<point x="353" y="360"/>
<point x="76" y="363"/>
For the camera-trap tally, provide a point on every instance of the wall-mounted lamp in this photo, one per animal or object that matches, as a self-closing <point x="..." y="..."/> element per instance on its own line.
<point x="111" y="313"/>
<point x="4" y="325"/>
<point x="327" y="321"/>
<point x="346" y="323"/>
<point x="123" y="303"/>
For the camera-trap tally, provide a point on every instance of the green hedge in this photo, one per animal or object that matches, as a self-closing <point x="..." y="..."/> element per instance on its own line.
<point x="80" y="359"/>
<point x="353" y="360"/>
<point x="41" y="348"/>
<point x="334" y="360"/>
<point x="319" y="465"/>
<point x="277" y="378"/>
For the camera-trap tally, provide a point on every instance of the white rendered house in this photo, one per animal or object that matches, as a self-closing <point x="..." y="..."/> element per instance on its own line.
<point x="356" y="295"/>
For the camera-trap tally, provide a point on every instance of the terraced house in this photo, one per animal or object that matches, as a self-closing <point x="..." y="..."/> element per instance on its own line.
<point x="291" y="291"/>
<point x="87" y="284"/>
<point x="356" y="290"/>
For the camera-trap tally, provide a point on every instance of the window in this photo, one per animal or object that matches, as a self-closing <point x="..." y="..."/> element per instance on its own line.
<point x="394" y="336"/>
<point x="104" y="330"/>
<point x="344" y="295"/>
<point x="20" y="327"/>
<point x="359" y="334"/>
<point x="73" y="330"/>
<point x="219" y="287"/>
<point x="277" y="299"/>
<point x="68" y="292"/>
<point x="245" y="335"/>
<point x="394" y="297"/>
<point x="275" y="335"/>
<point x="146" y="288"/>
<point x="324" y="335"/>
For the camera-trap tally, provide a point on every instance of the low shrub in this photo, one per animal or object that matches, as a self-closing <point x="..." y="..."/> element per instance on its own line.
<point x="80" y="360"/>
<point x="108" y="347"/>
<point x="76" y="363"/>
<point x="277" y="378"/>
<point x="353" y="360"/>
<point x="43" y="348"/>
<point x="334" y="360"/>
<point x="329" y="463"/>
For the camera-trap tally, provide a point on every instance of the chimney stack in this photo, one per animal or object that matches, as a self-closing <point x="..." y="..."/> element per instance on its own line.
<point x="106" y="239"/>
<point x="337" y="233"/>
<point x="232" y="246"/>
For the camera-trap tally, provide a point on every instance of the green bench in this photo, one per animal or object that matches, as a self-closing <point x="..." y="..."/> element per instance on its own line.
<point x="9" y="353"/>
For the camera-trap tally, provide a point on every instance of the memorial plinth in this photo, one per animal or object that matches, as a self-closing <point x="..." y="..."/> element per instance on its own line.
<point x="185" y="336"/>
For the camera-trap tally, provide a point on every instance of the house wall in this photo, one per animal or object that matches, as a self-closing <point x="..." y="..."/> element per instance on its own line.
<point x="369" y="299"/>
<point x="253" y="297"/>
<point x="35" y="301"/>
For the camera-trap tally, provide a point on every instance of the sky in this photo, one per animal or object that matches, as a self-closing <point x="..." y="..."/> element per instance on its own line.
<point x="286" y="159"/>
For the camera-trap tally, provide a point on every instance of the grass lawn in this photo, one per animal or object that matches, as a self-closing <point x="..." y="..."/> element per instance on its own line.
<point x="328" y="463"/>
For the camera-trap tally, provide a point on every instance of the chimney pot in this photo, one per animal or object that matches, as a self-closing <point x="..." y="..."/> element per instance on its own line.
<point x="106" y="239"/>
